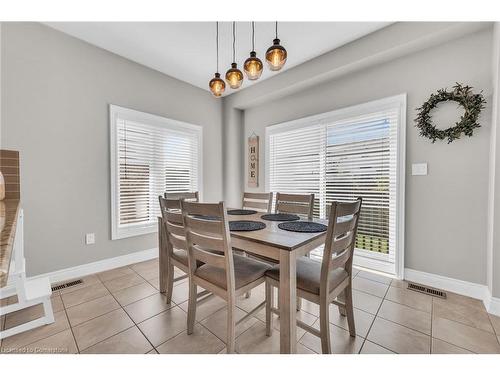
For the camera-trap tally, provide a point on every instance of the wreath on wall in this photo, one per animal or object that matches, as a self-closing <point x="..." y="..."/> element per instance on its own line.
<point x="463" y="95"/>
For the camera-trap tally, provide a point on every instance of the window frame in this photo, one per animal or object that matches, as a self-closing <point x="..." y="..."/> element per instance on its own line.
<point x="397" y="101"/>
<point x="149" y="119"/>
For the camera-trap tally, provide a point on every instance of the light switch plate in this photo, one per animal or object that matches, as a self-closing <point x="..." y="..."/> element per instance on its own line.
<point x="90" y="238"/>
<point x="419" y="169"/>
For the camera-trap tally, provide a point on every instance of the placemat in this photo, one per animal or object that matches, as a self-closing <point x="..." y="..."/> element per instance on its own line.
<point x="206" y="217"/>
<point x="303" y="226"/>
<point x="241" y="212"/>
<point x="245" y="225"/>
<point x="280" y="217"/>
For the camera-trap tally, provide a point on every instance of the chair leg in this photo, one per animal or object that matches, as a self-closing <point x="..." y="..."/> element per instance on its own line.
<point x="269" y="305"/>
<point x="350" y="311"/>
<point x="170" y="284"/>
<point x="324" y="323"/>
<point x="299" y="303"/>
<point x="191" y="307"/>
<point x="249" y="293"/>
<point x="341" y="298"/>
<point x="231" y="326"/>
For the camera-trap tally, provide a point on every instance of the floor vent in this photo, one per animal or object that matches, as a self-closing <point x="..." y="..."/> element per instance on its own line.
<point x="426" y="290"/>
<point x="66" y="285"/>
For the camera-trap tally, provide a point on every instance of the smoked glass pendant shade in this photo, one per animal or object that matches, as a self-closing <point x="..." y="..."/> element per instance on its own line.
<point x="253" y="67"/>
<point x="234" y="77"/>
<point x="276" y="56"/>
<point x="217" y="85"/>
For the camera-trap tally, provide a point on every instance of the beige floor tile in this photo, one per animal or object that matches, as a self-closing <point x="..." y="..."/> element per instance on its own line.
<point x="164" y="326"/>
<point x="399" y="339"/>
<point x="153" y="351"/>
<point x="303" y="316"/>
<point x="84" y="295"/>
<point x="461" y="335"/>
<point x="23" y="316"/>
<point x="258" y="295"/>
<point x="201" y="341"/>
<point x="463" y="313"/>
<point x="115" y="273"/>
<point x="148" y="269"/>
<point x="442" y="347"/>
<point x="147" y="307"/>
<point x="57" y="304"/>
<point x="362" y="320"/>
<point x="375" y="277"/>
<point x="369" y="286"/>
<point x="180" y="292"/>
<point x="123" y="282"/>
<point x="495" y="322"/>
<point x="206" y="307"/>
<point x="399" y="283"/>
<point x="155" y="282"/>
<point x="134" y="293"/>
<point x="131" y="341"/>
<point x="406" y="316"/>
<point x="255" y="341"/>
<point x="25" y="338"/>
<point x="310" y="307"/>
<point x="372" y="348"/>
<point x="340" y="340"/>
<point x="92" y="309"/>
<point x="365" y="301"/>
<point x="87" y="281"/>
<point x="99" y="329"/>
<point x="60" y="343"/>
<point x="464" y="300"/>
<point x="410" y="298"/>
<point x="217" y="323"/>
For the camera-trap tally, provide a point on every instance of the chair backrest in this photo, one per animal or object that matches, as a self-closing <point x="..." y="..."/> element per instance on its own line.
<point x="208" y="238"/>
<point x="299" y="204"/>
<point x="192" y="197"/>
<point x="340" y="240"/>
<point x="261" y="202"/>
<point x="174" y="226"/>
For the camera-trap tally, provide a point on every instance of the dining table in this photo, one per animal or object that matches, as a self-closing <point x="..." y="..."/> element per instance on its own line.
<point x="285" y="247"/>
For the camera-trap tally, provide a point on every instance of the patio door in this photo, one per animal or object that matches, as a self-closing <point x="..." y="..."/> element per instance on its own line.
<point x="342" y="155"/>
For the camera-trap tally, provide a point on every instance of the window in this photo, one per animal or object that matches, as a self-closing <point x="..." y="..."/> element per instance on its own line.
<point x="150" y="155"/>
<point x="342" y="155"/>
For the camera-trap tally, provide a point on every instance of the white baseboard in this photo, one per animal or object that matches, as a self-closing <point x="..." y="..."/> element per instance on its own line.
<point x="99" y="266"/>
<point x="465" y="288"/>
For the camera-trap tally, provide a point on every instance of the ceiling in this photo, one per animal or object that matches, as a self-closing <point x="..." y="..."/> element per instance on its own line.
<point x="186" y="50"/>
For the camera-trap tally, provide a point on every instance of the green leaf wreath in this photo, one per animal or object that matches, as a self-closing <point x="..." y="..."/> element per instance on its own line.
<point x="463" y="95"/>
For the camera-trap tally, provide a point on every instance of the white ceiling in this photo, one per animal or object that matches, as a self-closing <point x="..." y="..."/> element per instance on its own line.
<point x="186" y="50"/>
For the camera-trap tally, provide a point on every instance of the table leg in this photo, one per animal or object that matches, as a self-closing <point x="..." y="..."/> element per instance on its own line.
<point x="288" y="302"/>
<point x="161" y="257"/>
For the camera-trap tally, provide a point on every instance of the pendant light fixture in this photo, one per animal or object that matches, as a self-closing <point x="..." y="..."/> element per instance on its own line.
<point x="276" y="54"/>
<point x="216" y="84"/>
<point x="253" y="66"/>
<point x="234" y="76"/>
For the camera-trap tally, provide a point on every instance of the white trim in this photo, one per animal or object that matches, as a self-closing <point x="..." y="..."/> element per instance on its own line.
<point x="353" y="111"/>
<point x="154" y="120"/>
<point x="465" y="288"/>
<point x="99" y="266"/>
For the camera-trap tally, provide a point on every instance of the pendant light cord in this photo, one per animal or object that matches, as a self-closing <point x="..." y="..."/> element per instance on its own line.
<point x="253" y="36"/>
<point x="276" y="29"/>
<point x="217" y="43"/>
<point x="234" y="41"/>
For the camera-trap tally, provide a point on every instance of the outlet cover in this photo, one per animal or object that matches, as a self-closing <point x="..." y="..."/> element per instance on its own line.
<point x="419" y="169"/>
<point x="90" y="238"/>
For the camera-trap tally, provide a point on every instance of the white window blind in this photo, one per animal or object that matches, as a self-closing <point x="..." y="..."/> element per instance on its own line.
<point x="150" y="156"/>
<point x="343" y="155"/>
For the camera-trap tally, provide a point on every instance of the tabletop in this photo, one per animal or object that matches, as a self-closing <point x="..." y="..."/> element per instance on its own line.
<point x="274" y="236"/>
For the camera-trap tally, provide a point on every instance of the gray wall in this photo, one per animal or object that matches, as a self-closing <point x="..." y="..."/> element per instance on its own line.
<point x="446" y="211"/>
<point x="55" y="95"/>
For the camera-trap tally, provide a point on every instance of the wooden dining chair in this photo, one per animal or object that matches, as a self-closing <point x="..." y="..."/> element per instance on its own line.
<point x="329" y="281"/>
<point x="261" y="202"/>
<point x="298" y="204"/>
<point x="225" y="274"/>
<point x="189" y="196"/>
<point x="173" y="245"/>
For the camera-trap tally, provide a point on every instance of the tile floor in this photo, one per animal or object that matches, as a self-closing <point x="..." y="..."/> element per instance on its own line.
<point x="121" y="311"/>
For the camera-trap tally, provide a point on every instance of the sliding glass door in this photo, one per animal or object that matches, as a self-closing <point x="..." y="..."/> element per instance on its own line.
<point x="342" y="155"/>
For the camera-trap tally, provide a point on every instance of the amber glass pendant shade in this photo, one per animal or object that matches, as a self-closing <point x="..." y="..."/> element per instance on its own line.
<point x="276" y="56"/>
<point x="234" y="77"/>
<point x="217" y="85"/>
<point x="253" y="67"/>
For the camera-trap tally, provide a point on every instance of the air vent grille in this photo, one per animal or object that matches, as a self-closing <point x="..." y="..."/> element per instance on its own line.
<point x="67" y="285"/>
<point x="426" y="290"/>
